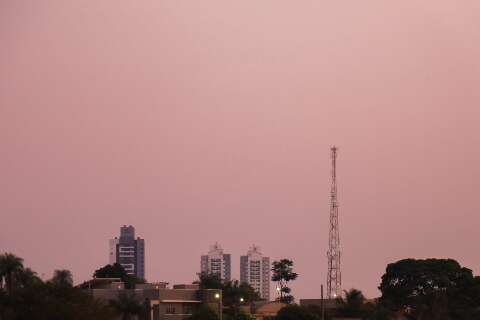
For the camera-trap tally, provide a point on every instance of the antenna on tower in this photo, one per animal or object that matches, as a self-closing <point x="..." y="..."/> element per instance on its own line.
<point x="334" y="277"/>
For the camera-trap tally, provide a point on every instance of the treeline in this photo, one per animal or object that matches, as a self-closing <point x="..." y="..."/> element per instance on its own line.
<point x="25" y="296"/>
<point x="430" y="289"/>
<point x="425" y="289"/>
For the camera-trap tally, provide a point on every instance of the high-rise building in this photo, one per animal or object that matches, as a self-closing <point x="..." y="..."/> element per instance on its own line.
<point x="255" y="270"/>
<point x="128" y="252"/>
<point x="216" y="262"/>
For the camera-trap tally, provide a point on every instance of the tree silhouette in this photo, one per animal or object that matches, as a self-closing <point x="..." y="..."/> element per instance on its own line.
<point x="62" y="278"/>
<point x="282" y="274"/>
<point x="117" y="271"/>
<point x="11" y="267"/>
<point x="127" y="306"/>
<point x="204" y="312"/>
<point x="353" y="305"/>
<point x="431" y="289"/>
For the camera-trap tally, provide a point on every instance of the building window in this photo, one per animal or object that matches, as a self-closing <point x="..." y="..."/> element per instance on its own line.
<point x="170" y="309"/>
<point x="187" y="309"/>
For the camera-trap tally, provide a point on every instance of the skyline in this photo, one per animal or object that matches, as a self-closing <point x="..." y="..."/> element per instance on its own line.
<point x="214" y="120"/>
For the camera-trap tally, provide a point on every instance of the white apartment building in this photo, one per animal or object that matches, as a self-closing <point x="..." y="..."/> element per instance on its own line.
<point x="216" y="262"/>
<point x="255" y="270"/>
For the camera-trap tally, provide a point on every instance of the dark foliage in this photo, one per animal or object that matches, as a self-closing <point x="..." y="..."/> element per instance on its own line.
<point x="434" y="289"/>
<point x="296" y="312"/>
<point x="209" y="281"/>
<point x="352" y="305"/>
<point x="234" y="293"/>
<point x="117" y="271"/>
<point x="28" y="297"/>
<point x="282" y="273"/>
<point x="128" y="307"/>
<point x="204" y="312"/>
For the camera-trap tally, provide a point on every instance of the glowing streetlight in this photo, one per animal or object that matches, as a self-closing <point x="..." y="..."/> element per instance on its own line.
<point x="217" y="295"/>
<point x="241" y="299"/>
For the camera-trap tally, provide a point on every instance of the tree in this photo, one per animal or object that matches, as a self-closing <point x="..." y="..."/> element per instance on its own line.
<point x="234" y="293"/>
<point x="433" y="289"/>
<point x="31" y="298"/>
<point x="282" y="274"/>
<point x="244" y="316"/>
<point x="10" y="268"/>
<point x="204" y="312"/>
<point x="62" y="278"/>
<point x="127" y="306"/>
<point x="296" y="312"/>
<point x="353" y="305"/>
<point x="26" y="277"/>
<point x="209" y="281"/>
<point x="111" y="271"/>
<point x="117" y="271"/>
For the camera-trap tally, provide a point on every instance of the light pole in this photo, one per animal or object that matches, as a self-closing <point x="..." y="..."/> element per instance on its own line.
<point x="220" y="305"/>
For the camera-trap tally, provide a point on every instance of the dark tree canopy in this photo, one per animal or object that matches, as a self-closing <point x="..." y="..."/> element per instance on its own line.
<point x="11" y="267"/>
<point x="244" y="316"/>
<point x="353" y="304"/>
<point x="117" y="271"/>
<point x="234" y="293"/>
<point x="296" y="312"/>
<point x="28" y="297"/>
<point x="238" y="293"/>
<point x="431" y="289"/>
<point x="62" y="278"/>
<point x="128" y="307"/>
<point x="209" y="281"/>
<point x="204" y="312"/>
<point x="282" y="273"/>
<point x="111" y="271"/>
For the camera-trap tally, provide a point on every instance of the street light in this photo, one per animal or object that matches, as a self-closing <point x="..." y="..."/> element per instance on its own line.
<point x="241" y="299"/>
<point x="217" y="297"/>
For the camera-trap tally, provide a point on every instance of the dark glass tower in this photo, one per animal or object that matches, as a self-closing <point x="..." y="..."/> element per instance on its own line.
<point x="129" y="252"/>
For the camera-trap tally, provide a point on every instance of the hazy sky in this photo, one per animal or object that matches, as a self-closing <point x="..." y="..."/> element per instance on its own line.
<point x="204" y="121"/>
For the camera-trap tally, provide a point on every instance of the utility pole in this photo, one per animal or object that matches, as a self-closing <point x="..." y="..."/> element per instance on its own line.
<point x="334" y="278"/>
<point x="322" y="302"/>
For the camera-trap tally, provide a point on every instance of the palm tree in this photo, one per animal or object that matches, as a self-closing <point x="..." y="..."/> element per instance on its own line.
<point x="62" y="278"/>
<point x="353" y="305"/>
<point x="10" y="268"/>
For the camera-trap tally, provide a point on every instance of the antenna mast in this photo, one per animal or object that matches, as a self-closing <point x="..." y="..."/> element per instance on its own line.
<point x="334" y="278"/>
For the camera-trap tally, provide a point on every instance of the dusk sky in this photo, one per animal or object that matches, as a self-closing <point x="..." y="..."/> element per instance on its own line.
<point x="204" y="121"/>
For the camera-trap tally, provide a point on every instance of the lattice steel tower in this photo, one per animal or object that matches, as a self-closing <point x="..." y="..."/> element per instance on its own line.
<point x="334" y="278"/>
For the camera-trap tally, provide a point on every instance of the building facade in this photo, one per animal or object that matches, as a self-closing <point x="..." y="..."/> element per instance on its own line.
<point x="163" y="303"/>
<point x="128" y="252"/>
<point x="255" y="270"/>
<point x="217" y="262"/>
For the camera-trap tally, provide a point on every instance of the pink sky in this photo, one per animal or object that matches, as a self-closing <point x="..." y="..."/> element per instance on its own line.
<point x="212" y="121"/>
